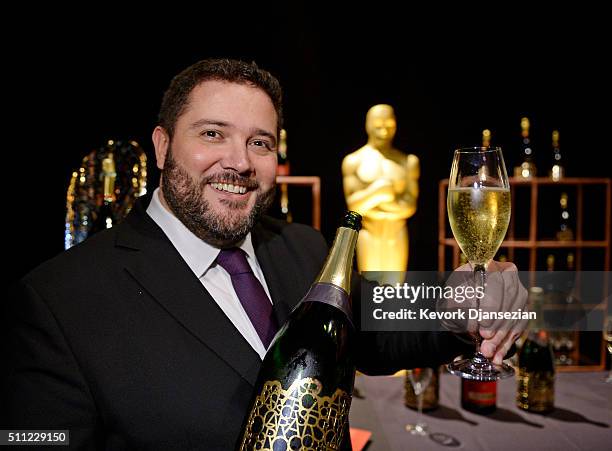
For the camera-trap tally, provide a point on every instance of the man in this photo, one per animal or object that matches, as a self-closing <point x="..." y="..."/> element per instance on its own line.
<point x="137" y="339"/>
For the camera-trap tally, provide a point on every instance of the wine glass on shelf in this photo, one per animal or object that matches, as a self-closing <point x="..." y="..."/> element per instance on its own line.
<point x="607" y="334"/>
<point x="478" y="206"/>
<point x="419" y="379"/>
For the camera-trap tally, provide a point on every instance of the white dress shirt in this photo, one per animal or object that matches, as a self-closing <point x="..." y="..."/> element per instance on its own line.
<point x="200" y="257"/>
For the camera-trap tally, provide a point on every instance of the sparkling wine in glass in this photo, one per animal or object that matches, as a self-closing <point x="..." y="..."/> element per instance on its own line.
<point x="419" y="379"/>
<point x="479" y="213"/>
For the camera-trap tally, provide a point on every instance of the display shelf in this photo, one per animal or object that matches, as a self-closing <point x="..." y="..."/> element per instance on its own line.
<point x="314" y="183"/>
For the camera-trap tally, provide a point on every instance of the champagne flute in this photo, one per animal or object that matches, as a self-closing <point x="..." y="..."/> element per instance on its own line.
<point x="419" y="379"/>
<point x="479" y="213"/>
<point x="607" y="334"/>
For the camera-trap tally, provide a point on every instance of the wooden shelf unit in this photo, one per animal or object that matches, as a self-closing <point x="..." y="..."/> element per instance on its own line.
<point x="315" y="184"/>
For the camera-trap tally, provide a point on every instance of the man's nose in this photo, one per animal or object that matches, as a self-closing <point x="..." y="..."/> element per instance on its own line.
<point x="237" y="158"/>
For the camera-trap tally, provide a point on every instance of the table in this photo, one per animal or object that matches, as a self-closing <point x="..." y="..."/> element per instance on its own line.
<point x="582" y="419"/>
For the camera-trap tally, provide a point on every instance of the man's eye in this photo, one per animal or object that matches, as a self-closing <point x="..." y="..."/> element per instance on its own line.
<point x="211" y="134"/>
<point x="262" y="143"/>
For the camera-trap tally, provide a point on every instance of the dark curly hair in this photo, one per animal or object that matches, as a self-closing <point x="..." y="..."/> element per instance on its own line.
<point x="176" y="96"/>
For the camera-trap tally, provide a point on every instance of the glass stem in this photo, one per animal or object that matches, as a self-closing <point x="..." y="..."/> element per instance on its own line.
<point x="480" y="280"/>
<point x="419" y="408"/>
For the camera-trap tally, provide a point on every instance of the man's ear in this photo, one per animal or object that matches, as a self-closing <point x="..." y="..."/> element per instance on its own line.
<point x="161" y="142"/>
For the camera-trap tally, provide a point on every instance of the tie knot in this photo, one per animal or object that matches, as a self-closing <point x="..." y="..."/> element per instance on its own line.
<point x="234" y="261"/>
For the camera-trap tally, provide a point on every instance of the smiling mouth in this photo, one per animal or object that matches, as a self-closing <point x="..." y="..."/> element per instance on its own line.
<point x="229" y="188"/>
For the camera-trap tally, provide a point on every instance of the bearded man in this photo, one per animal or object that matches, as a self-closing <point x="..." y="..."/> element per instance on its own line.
<point x="139" y="337"/>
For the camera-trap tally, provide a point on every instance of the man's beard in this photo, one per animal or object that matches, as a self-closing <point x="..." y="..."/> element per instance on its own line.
<point x="185" y="197"/>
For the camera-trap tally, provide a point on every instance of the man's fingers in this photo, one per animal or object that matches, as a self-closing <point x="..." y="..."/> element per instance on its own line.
<point x="486" y="334"/>
<point x="505" y="346"/>
<point x="490" y="346"/>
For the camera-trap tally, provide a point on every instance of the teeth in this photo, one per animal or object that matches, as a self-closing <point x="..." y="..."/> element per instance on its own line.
<point x="230" y="188"/>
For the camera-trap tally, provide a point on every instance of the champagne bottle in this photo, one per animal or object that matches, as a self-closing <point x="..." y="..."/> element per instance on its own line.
<point x="570" y="261"/>
<point x="534" y="293"/>
<point x="550" y="262"/>
<point x="565" y="232"/>
<point x="431" y="395"/>
<point x="557" y="171"/>
<point x="479" y="396"/>
<point x="563" y="342"/>
<point x="486" y="138"/>
<point x="283" y="168"/>
<point x="303" y="391"/>
<point x="536" y="376"/>
<point x="527" y="168"/>
<point x="105" y="218"/>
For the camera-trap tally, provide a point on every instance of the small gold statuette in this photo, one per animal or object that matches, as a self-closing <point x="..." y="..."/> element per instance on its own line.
<point x="381" y="183"/>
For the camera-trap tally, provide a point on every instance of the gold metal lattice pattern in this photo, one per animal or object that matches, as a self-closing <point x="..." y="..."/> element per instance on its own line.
<point x="297" y="418"/>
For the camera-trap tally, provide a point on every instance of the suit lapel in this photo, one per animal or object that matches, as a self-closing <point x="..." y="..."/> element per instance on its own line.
<point x="280" y="271"/>
<point x="160" y="270"/>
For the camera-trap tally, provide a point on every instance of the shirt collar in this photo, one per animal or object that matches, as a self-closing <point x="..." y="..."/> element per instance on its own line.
<point x="197" y="253"/>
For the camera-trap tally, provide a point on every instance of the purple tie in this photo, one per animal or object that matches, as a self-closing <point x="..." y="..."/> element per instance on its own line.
<point x="251" y="293"/>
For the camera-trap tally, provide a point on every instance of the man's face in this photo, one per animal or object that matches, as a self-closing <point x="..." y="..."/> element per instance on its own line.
<point x="218" y="173"/>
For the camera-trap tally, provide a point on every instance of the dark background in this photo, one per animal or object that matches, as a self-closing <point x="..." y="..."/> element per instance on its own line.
<point x="74" y="83"/>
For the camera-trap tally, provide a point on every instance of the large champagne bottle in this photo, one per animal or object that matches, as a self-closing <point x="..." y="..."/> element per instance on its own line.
<point x="106" y="217"/>
<point x="536" y="376"/>
<point x="303" y="392"/>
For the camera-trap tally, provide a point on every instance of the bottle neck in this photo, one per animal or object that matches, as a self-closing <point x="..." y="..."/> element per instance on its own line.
<point x="339" y="264"/>
<point x="536" y="326"/>
<point x="539" y="336"/>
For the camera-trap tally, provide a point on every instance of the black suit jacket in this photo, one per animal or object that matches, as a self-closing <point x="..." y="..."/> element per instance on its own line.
<point x="119" y="342"/>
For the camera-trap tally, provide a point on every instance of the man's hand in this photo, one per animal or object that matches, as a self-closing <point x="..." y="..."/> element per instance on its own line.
<point x="504" y="292"/>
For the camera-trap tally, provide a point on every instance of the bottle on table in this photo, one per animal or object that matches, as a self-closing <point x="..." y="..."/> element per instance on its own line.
<point x="479" y="396"/>
<point x="303" y="391"/>
<point x="536" y="375"/>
